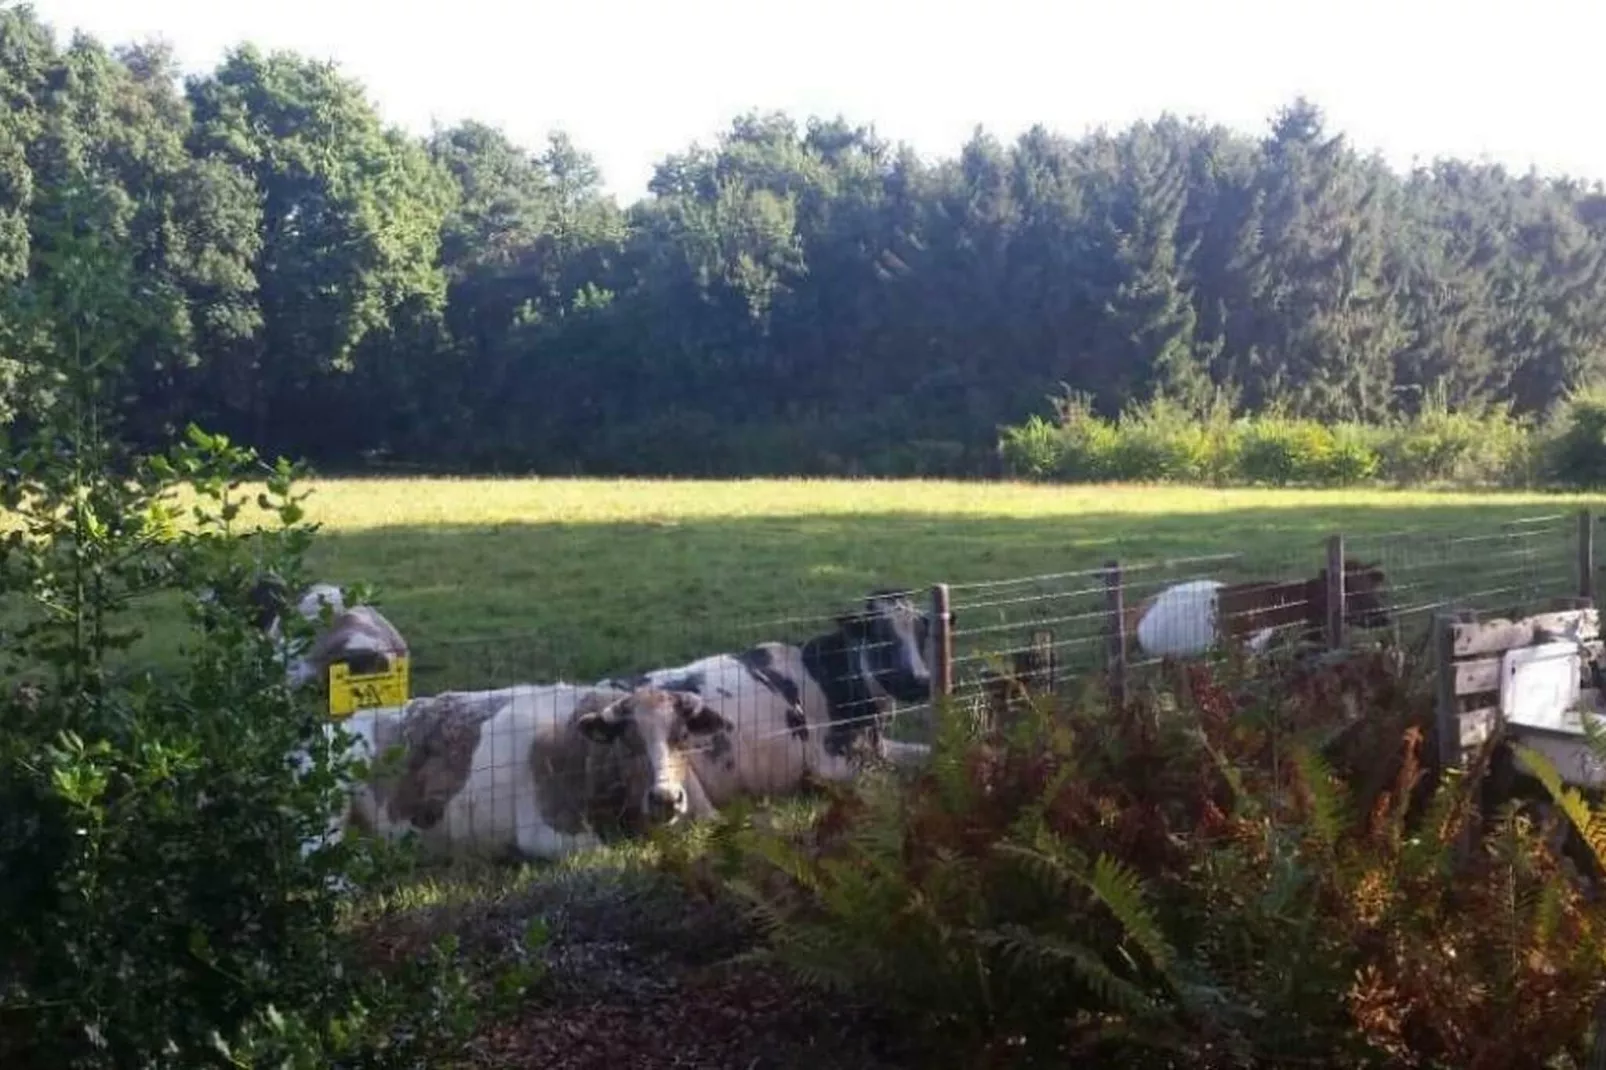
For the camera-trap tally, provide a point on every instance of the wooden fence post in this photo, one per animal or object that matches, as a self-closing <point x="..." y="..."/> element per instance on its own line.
<point x="1335" y="592"/>
<point x="1447" y="716"/>
<point x="1115" y="631"/>
<point x="942" y="642"/>
<point x="1586" y="554"/>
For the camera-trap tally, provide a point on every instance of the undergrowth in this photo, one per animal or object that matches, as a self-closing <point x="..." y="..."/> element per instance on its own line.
<point x="1242" y="867"/>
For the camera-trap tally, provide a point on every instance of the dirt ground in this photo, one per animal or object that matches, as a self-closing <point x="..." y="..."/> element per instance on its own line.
<point x="639" y="975"/>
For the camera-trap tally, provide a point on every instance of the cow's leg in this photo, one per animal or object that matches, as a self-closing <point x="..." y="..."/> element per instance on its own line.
<point x="908" y="755"/>
<point x="547" y="844"/>
<point x="828" y="766"/>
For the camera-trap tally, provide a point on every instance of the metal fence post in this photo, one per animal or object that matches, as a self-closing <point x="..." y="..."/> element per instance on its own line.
<point x="942" y="641"/>
<point x="1335" y="592"/>
<point x="1115" y="631"/>
<point x="1586" y="554"/>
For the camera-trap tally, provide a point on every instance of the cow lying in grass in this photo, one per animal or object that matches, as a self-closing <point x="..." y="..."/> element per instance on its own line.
<point x="537" y="770"/>
<point x="834" y="693"/>
<point x="545" y="770"/>
<point x="1187" y="619"/>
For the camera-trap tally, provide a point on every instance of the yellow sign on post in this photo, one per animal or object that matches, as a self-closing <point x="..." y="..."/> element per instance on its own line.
<point x="349" y="693"/>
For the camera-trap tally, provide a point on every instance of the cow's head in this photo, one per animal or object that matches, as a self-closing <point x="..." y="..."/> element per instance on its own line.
<point x="1365" y="601"/>
<point x="662" y="728"/>
<point x="270" y="600"/>
<point x="360" y="638"/>
<point x="890" y="643"/>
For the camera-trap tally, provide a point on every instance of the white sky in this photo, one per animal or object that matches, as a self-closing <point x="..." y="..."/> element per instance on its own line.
<point x="1516" y="82"/>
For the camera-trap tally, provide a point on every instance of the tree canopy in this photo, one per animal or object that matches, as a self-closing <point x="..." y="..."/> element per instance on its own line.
<point x="798" y="297"/>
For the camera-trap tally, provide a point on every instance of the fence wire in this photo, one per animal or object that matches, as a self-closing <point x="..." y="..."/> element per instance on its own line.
<point x="495" y="715"/>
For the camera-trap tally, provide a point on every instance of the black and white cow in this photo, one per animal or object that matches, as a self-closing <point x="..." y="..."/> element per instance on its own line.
<point x="840" y="685"/>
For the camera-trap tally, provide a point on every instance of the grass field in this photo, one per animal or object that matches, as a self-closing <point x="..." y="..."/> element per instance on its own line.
<point x="533" y="579"/>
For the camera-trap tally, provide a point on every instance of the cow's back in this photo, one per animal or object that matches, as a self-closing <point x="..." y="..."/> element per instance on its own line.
<point x="1181" y="620"/>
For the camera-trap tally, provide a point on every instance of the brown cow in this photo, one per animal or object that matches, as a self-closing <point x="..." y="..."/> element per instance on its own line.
<point x="542" y="770"/>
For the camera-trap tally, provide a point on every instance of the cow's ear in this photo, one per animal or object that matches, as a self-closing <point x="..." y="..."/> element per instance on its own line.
<point x="601" y="723"/>
<point x="698" y="717"/>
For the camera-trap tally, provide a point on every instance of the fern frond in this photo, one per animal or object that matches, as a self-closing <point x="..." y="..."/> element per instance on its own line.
<point x="1023" y="949"/>
<point x="1328" y="800"/>
<point x="1118" y="887"/>
<point x="1589" y="822"/>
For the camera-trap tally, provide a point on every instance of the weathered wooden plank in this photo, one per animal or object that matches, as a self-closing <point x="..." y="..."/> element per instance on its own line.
<point x="1477" y="677"/>
<point x="1478" y="725"/>
<point x="1494" y="636"/>
<point x="1446" y="719"/>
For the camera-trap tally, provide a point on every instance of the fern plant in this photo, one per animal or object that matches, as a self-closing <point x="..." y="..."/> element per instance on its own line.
<point x="1246" y="865"/>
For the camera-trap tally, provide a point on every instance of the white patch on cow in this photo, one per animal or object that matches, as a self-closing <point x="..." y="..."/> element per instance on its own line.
<point x="319" y="595"/>
<point x="1182" y="620"/>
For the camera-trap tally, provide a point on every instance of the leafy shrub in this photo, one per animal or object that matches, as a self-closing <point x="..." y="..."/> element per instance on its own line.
<point x="1354" y="458"/>
<point x="1579" y="457"/>
<point x="1213" y="876"/>
<point x="1162" y="441"/>
<point x="1087" y="442"/>
<point x="156" y="895"/>
<point x="1282" y="451"/>
<point x="1032" y="450"/>
<point x="1439" y="445"/>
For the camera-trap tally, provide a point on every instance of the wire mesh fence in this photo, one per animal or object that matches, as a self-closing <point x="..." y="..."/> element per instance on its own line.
<point x="519" y="743"/>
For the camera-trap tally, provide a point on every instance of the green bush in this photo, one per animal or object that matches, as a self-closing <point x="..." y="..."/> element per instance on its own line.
<point x="158" y="903"/>
<point x="1087" y="442"/>
<point x="1472" y="447"/>
<point x="1354" y="457"/>
<point x="1210" y="877"/>
<point x="1282" y="451"/>
<point x="1162" y="442"/>
<point x="1579" y="452"/>
<point x="1032" y="450"/>
<point x="1165" y="442"/>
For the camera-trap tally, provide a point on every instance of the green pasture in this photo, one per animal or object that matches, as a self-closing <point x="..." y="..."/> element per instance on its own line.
<point x="497" y="580"/>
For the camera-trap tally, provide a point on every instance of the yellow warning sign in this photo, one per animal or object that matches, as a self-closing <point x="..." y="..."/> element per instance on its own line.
<point x="349" y="693"/>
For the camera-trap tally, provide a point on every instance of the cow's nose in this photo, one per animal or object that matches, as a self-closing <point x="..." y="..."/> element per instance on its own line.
<point x="663" y="802"/>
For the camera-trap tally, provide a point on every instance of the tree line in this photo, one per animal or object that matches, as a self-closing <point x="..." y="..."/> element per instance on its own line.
<point x="803" y="298"/>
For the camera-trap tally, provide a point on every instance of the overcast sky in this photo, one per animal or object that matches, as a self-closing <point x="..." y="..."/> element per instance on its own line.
<point x="633" y="81"/>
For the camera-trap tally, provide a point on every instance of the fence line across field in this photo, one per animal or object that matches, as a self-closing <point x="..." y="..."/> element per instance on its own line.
<point x="1076" y="624"/>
